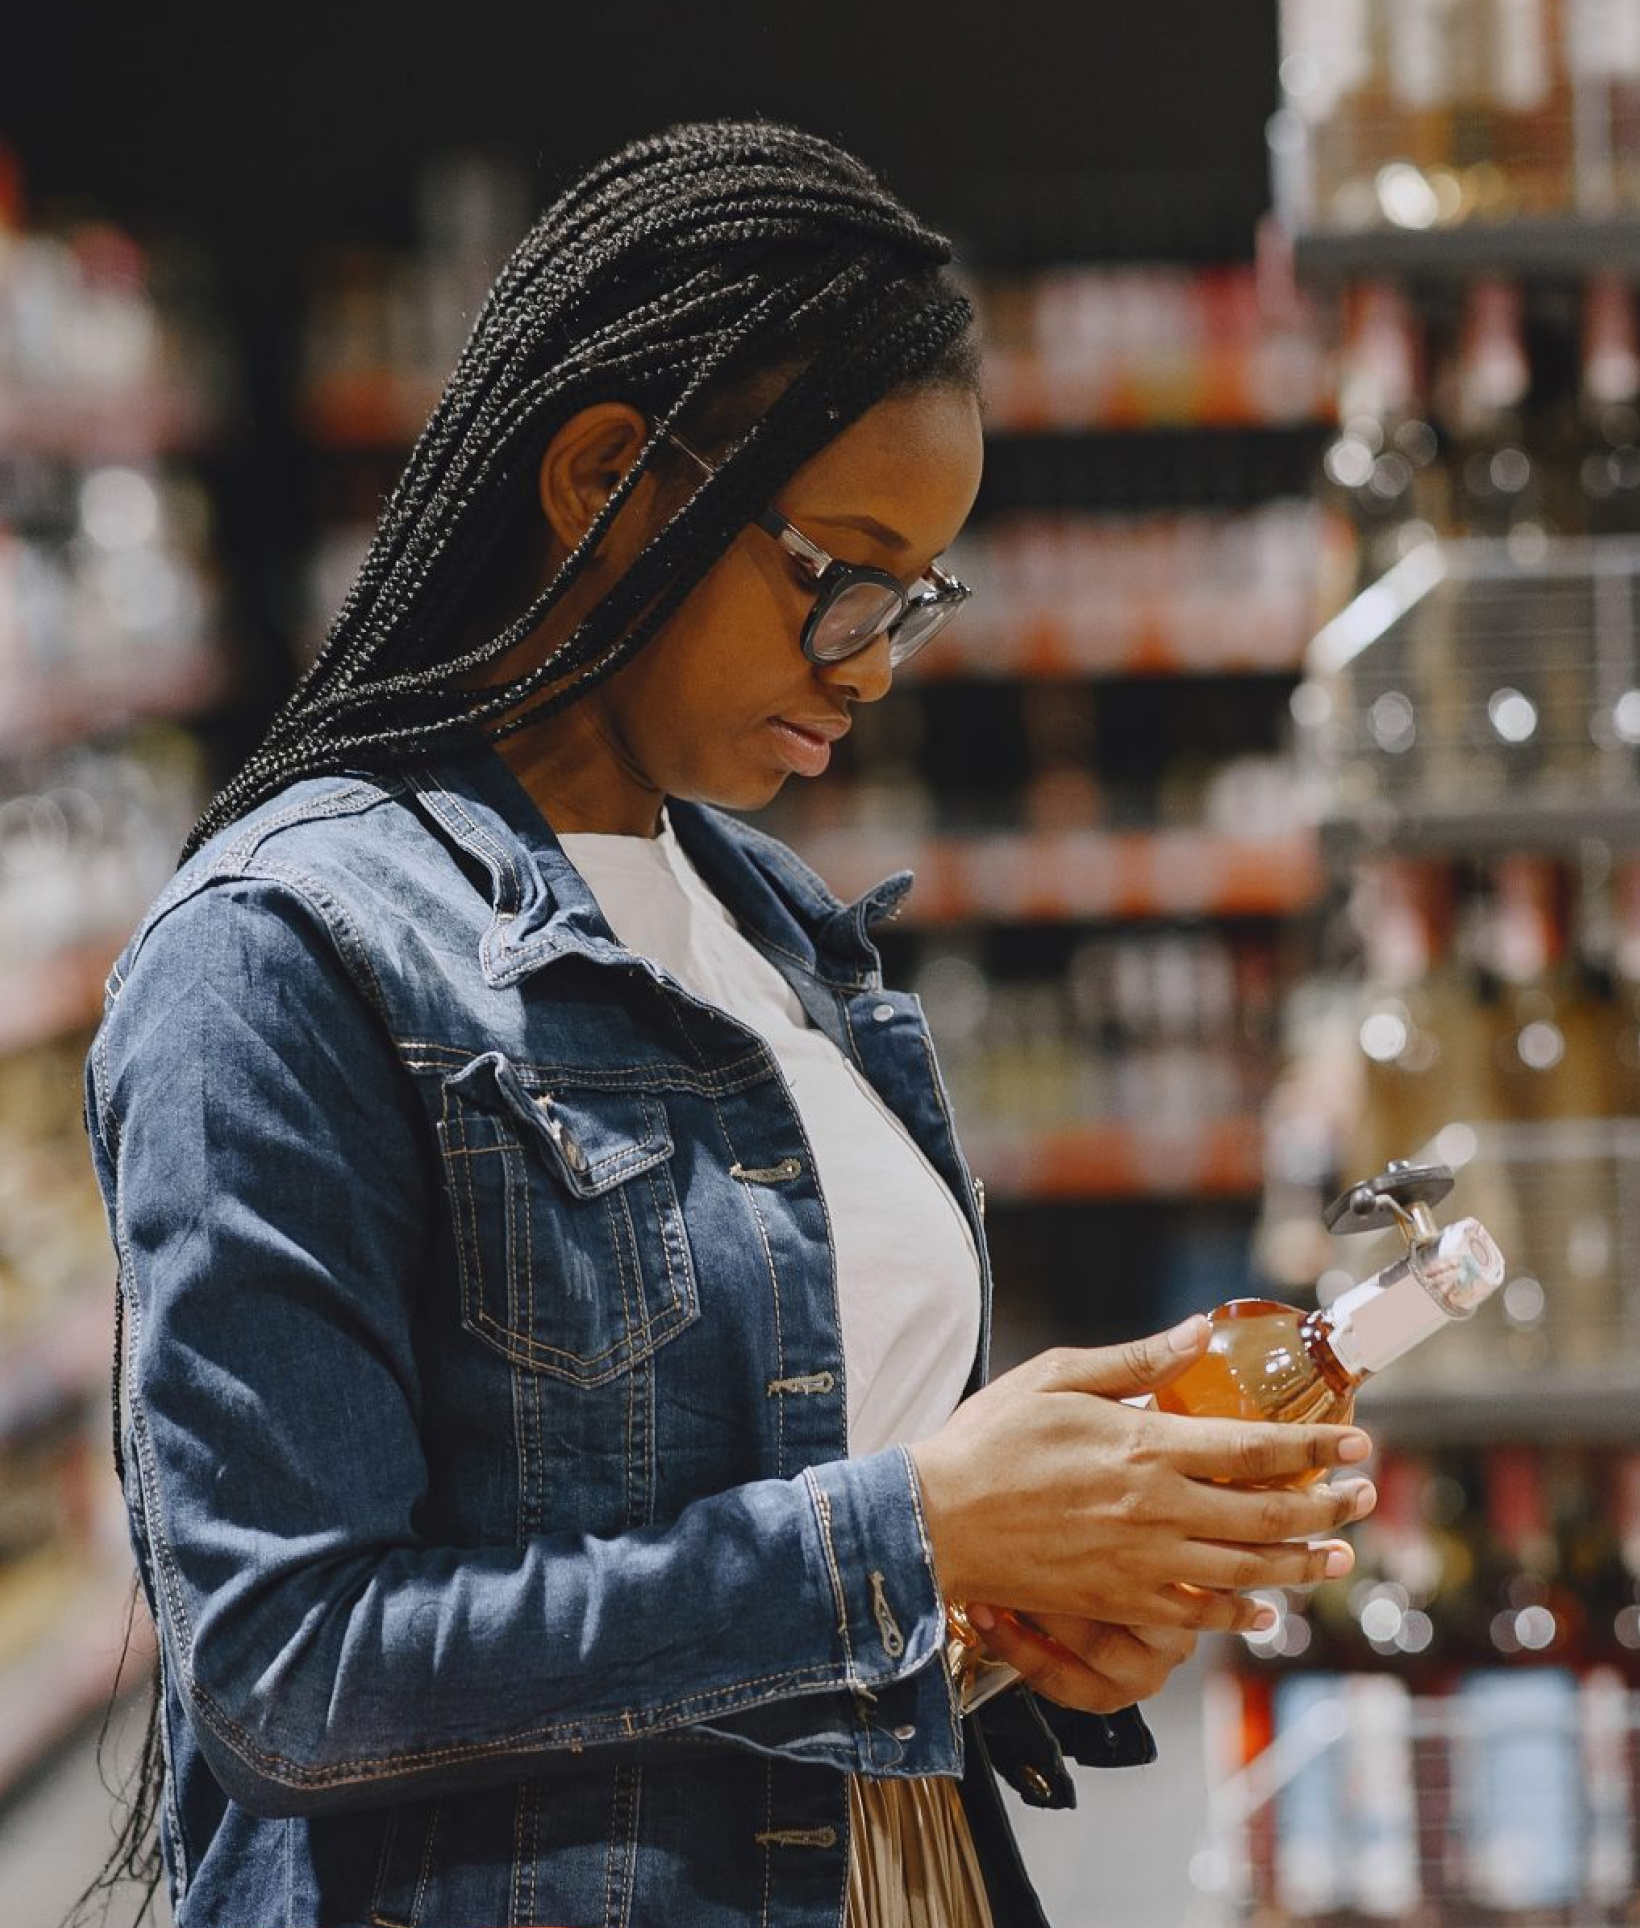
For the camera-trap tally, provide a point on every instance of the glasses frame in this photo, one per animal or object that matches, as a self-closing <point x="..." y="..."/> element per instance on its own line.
<point x="833" y="578"/>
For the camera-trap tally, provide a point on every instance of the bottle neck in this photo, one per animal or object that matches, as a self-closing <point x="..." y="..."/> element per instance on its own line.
<point x="1316" y="1336"/>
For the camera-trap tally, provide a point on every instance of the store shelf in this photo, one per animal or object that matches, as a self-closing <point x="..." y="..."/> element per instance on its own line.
<point x="1560" y="1404"/>
<point x="1024" y="878"/>
<point x="1409" y="830"/>
<point x="1570" y="245"/>
<point x="1155" y="638"/>
<point x="85" y="426"/>
<point x="50" y="996"/>
<point x="43" y="712"/>
<point x="1130" y="472"/>
<point x="62" y="1629"/>
<point x="64" y="1362"/>
<point x="1199" y="1158"/>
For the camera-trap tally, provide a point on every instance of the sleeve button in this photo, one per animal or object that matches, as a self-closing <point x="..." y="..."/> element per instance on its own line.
<point x="883" y="1012"/>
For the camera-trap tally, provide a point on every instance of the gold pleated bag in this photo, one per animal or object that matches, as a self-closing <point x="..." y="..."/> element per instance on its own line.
<point x="913" y="1863"/>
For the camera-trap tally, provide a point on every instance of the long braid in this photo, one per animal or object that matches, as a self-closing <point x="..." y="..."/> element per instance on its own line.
<point x="681" y="267"/>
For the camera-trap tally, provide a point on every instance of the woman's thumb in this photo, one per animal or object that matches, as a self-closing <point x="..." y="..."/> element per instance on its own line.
<point x="1139" y="1365"/>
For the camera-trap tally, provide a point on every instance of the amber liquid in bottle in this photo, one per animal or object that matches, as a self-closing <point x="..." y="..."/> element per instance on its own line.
<point x="1266" y="1360"/>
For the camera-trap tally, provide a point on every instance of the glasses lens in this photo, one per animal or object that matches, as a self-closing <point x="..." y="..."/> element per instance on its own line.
<point x="925" y="617"/>
<point x="850" y="617"/>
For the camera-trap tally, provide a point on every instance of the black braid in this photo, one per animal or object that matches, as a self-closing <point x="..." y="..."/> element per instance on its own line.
<point x="679" y="275"/>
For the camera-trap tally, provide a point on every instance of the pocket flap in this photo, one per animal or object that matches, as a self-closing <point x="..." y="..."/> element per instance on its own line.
<point x="592" y="1139"/>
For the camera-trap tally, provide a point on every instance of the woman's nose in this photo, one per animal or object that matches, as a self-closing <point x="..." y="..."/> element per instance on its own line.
<point x="865" y="677"/>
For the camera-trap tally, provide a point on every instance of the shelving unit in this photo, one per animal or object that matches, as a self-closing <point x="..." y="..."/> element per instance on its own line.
<point x="1449" y="1734"/>
<point x="112" y="634"/>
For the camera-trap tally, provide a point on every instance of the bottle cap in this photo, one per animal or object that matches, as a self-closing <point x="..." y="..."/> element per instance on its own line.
<point x="1461" y="1268"/>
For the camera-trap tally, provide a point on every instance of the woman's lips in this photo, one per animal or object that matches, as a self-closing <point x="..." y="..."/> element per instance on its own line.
<point x="805" y="750"/>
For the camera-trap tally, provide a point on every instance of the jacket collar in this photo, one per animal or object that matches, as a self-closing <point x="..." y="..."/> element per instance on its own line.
<point x="543" y="910"/>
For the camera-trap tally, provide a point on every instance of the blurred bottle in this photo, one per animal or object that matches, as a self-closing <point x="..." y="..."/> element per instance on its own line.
<point x="1622" y="1099"/>
<point x="1383" y="463"/>
<point x="1496" y="485"/>
<point x="1531" y="123"/>
<point x="1517" y="1763"/>
<point x="1604" y="460"/>
<point x="1549" y="1064"/>
<point x="1421" y="1046"/>
<point x="1603" y="56"/>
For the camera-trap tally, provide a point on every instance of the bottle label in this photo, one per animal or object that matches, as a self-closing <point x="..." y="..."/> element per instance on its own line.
<point x="1419" y="62"/>
<point x="1603" y="40"/>
<point x="1434" y="1284"/>
<point x="1375" y="1323"/>
<point x="1521" y="75"/>
<point x="1517" y="1787"/>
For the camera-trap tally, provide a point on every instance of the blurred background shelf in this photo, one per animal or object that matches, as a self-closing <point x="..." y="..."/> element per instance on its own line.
<point x="61" y="1362"/>
<point x="46" y="710"/>
<point x="1199" y="1158"/>
<point x="1076" y="875"/>
<point x="87" y="426"/>
<point x="55" y="995"/>
<point x="1569" y="246"/>
<point x="62" y="1632"/>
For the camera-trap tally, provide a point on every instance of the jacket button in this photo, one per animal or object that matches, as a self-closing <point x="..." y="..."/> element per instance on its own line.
<point x="907" y="1733"/>
<point x="883" y="1012"/>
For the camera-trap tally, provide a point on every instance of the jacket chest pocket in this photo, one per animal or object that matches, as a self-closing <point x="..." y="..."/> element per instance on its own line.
<point x="569" y="1235"/>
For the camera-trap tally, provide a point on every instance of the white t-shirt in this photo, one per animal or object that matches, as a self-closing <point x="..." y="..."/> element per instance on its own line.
<point x="907" y="1272"/>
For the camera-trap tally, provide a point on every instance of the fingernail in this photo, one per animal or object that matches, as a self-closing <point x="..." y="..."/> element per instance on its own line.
<point x="1186" y="1336"/>
<point x="1366" y="1498"/>
<point x="1265" y="1619"/>
<point x="981" y="1617"/>
<point x="1354" y="1446"/>
<point x="1339" y="1561"/>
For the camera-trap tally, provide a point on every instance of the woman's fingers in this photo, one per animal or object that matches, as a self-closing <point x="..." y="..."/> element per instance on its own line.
<point x="1273" y="1515"/>
<point x="1088" y="1664"/>
<point x="1255" y="1452"/>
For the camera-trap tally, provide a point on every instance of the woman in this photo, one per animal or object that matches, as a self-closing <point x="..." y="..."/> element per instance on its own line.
<point x="555" y="1301"/>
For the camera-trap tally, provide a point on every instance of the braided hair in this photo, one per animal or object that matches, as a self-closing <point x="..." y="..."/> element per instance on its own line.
<point x="679" y="276"/>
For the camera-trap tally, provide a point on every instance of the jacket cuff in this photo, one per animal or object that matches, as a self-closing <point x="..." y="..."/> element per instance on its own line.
<point x="890" y="1613"/>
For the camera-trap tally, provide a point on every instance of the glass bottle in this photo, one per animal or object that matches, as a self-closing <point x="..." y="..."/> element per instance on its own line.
<point x="1270" y="1361"/>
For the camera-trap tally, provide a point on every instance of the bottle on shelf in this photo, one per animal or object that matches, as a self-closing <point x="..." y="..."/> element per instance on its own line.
<point x="1549" y="1073"/>
<point x="1384" y="460"/>
<point x="1602" y="468"/>
<point x="1517" y="1768"/>
<point x="1622" y="1053"/>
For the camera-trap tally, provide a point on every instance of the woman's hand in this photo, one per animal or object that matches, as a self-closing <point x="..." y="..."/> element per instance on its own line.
<point x="1088" y="1664"/>
<point x="1045" y="1491"/>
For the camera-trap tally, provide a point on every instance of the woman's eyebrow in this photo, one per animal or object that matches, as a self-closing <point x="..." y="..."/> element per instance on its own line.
<point x="867" y="525"/>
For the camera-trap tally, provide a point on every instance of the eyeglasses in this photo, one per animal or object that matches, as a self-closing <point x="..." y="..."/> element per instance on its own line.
<point x="854" y="605"/>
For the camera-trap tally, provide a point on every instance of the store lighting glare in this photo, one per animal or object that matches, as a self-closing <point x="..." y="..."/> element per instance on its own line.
<point x="1513" y="716"/>
<point x="119" y="509"/>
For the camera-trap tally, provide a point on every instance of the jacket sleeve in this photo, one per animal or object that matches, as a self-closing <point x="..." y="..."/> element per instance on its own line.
<point x="265" y="1168"/>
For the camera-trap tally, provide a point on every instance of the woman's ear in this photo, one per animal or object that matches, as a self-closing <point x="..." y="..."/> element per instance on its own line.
<point x="583" y="464"/>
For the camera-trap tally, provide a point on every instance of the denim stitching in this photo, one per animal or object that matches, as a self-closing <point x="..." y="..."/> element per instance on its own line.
<point x="774" y="1289"/>
<point x="925" y="1545"/>
<point x="231" y="860"/>
<point x="822" y="1504"/>
<point x="768" y="1816"/>
<point x="644" y="1333"/>
<point x="349" y="944"/>
<point x="435" y="796"/>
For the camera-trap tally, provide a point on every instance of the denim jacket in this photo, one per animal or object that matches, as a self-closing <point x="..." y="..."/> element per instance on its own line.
<point x="484" y="1429"/>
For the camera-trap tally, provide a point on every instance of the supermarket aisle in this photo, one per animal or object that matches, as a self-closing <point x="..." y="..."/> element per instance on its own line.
<point x="1118" y="1862"/>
